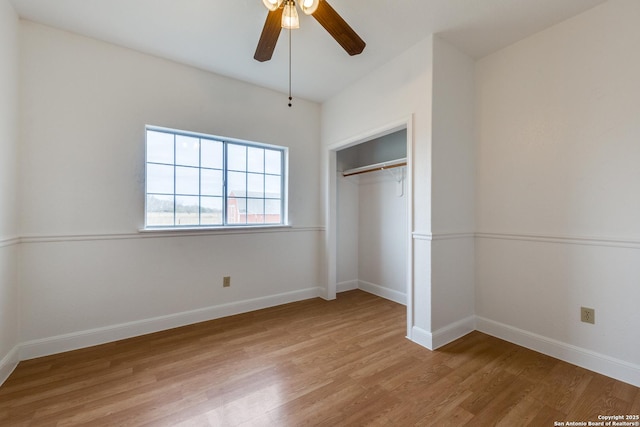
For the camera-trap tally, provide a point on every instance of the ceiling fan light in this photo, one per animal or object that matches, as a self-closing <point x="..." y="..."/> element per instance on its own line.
<point x="290" y="18"/>
<point x="309" y="6"/>
<point x="272" y="4"/>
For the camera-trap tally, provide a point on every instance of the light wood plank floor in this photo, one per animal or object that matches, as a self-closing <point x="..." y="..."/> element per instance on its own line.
<point x="315" y="362"/>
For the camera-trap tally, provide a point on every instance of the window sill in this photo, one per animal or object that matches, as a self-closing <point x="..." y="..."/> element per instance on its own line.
<point x="240" y="229"/>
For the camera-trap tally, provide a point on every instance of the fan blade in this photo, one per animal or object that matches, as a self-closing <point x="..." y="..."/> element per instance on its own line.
<point x="269" y="36"/>
<point x="338" y="28"/>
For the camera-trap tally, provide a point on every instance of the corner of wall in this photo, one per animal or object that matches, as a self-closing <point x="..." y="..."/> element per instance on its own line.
<point x="453" y="193"/>
<point x="9" y="241"/>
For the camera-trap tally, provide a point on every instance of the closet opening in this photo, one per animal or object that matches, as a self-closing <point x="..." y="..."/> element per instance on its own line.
<point x="370" y="192"/>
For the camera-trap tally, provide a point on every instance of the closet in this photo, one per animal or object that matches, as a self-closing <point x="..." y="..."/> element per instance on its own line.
<point x="372" y="238"/>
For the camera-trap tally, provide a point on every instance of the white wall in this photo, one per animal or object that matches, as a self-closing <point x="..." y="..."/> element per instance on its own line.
<point x="555" y="206"/>
<point x="347" y="255"/>
<point x="453" y="186"/>
<point x="372" y="236"/>
<point x="8" y="118"/>
<point x="388" y="95"/>
<point x="9" y="299"/>
<point x="431" y="81"/>
<point x="88" y="275"/>
<point x="558" y="130"/>
<point x="382" y="235"/>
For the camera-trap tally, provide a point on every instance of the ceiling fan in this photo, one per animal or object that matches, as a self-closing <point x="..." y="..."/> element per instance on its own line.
<point x="283" y="14"/>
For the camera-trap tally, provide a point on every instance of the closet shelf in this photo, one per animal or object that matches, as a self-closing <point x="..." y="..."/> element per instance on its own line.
<point x="376" y="167"/>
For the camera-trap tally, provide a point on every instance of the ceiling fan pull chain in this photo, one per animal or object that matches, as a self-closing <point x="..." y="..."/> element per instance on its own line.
<point x="290" y="98"/>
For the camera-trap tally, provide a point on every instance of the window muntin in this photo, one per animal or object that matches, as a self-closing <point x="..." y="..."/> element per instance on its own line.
<point x="195" y="180"/>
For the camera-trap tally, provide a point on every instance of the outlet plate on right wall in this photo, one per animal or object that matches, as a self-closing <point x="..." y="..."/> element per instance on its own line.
<point x="587" y="315"/>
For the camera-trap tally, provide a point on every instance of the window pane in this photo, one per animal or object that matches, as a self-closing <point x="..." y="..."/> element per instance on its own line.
<point x="187" y="210"/>
<point x="159" y="147"/>
<point x="255" y="185"/>
<point x="236" y="210"/>
<point x="272" y="187"/>
<point x="187" y="150"/>
<point x="194" y="180"/>
<point x="272" y="211"/>
<point x="211" y="182"/>
<point x="237" y="184"/>
<point x="187" y="181"/>
<point x="211" y="210"/>
<point x="273" y="161"/>
<point x="159" y="179"/>
<point x="255" y="159"/>
<point x="159" y="210"/>
<point x="255" y="211"/>
<point x="236" y="157"/>
<point x="212" y="154"/>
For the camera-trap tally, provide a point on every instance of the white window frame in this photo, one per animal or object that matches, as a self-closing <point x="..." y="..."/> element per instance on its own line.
<point x="226" y="141"/>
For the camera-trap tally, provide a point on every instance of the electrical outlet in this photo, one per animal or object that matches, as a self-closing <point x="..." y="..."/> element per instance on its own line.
<point x="226" y="281"/>
<point x="587" y="315"/>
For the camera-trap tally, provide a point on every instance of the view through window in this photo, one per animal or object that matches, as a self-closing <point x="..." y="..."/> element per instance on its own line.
<point x="195" y="180"/>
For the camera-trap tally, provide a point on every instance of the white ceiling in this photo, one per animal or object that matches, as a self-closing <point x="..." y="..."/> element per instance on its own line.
<point x="221" y="36"/>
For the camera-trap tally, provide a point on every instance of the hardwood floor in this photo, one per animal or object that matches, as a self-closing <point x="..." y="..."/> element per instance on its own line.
<point x="315" y="362"/>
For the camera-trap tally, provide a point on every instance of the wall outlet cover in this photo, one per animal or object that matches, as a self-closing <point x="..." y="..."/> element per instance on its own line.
<point x="587" y="315"/>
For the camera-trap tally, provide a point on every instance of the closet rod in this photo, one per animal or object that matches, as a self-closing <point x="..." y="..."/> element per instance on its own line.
<point x="376" y="167"/>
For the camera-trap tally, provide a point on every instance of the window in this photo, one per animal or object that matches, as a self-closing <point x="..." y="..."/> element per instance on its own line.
<point x="195" y="180"/>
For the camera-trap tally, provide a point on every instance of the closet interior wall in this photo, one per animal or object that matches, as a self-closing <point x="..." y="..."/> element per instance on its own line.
<point x="372" y="219"/>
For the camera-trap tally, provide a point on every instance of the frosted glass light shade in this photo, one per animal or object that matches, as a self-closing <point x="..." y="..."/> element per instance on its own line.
<point x="309" y="6"/>
<point x="272" y="4"/>
<point x="290" y="18"/>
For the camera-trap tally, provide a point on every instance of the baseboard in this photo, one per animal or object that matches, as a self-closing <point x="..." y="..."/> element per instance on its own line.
<point x="88" y="338"/>
<point x="421" y="337"/>
<point x="8" y="364"/>
<point x="348" y="285"/>
<point x="453" y="331"/>
<point x="600" y="363"/>
<point x="372" y="288"/>
<point x="381" y="291"/>
<point x="443" y="336"/>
